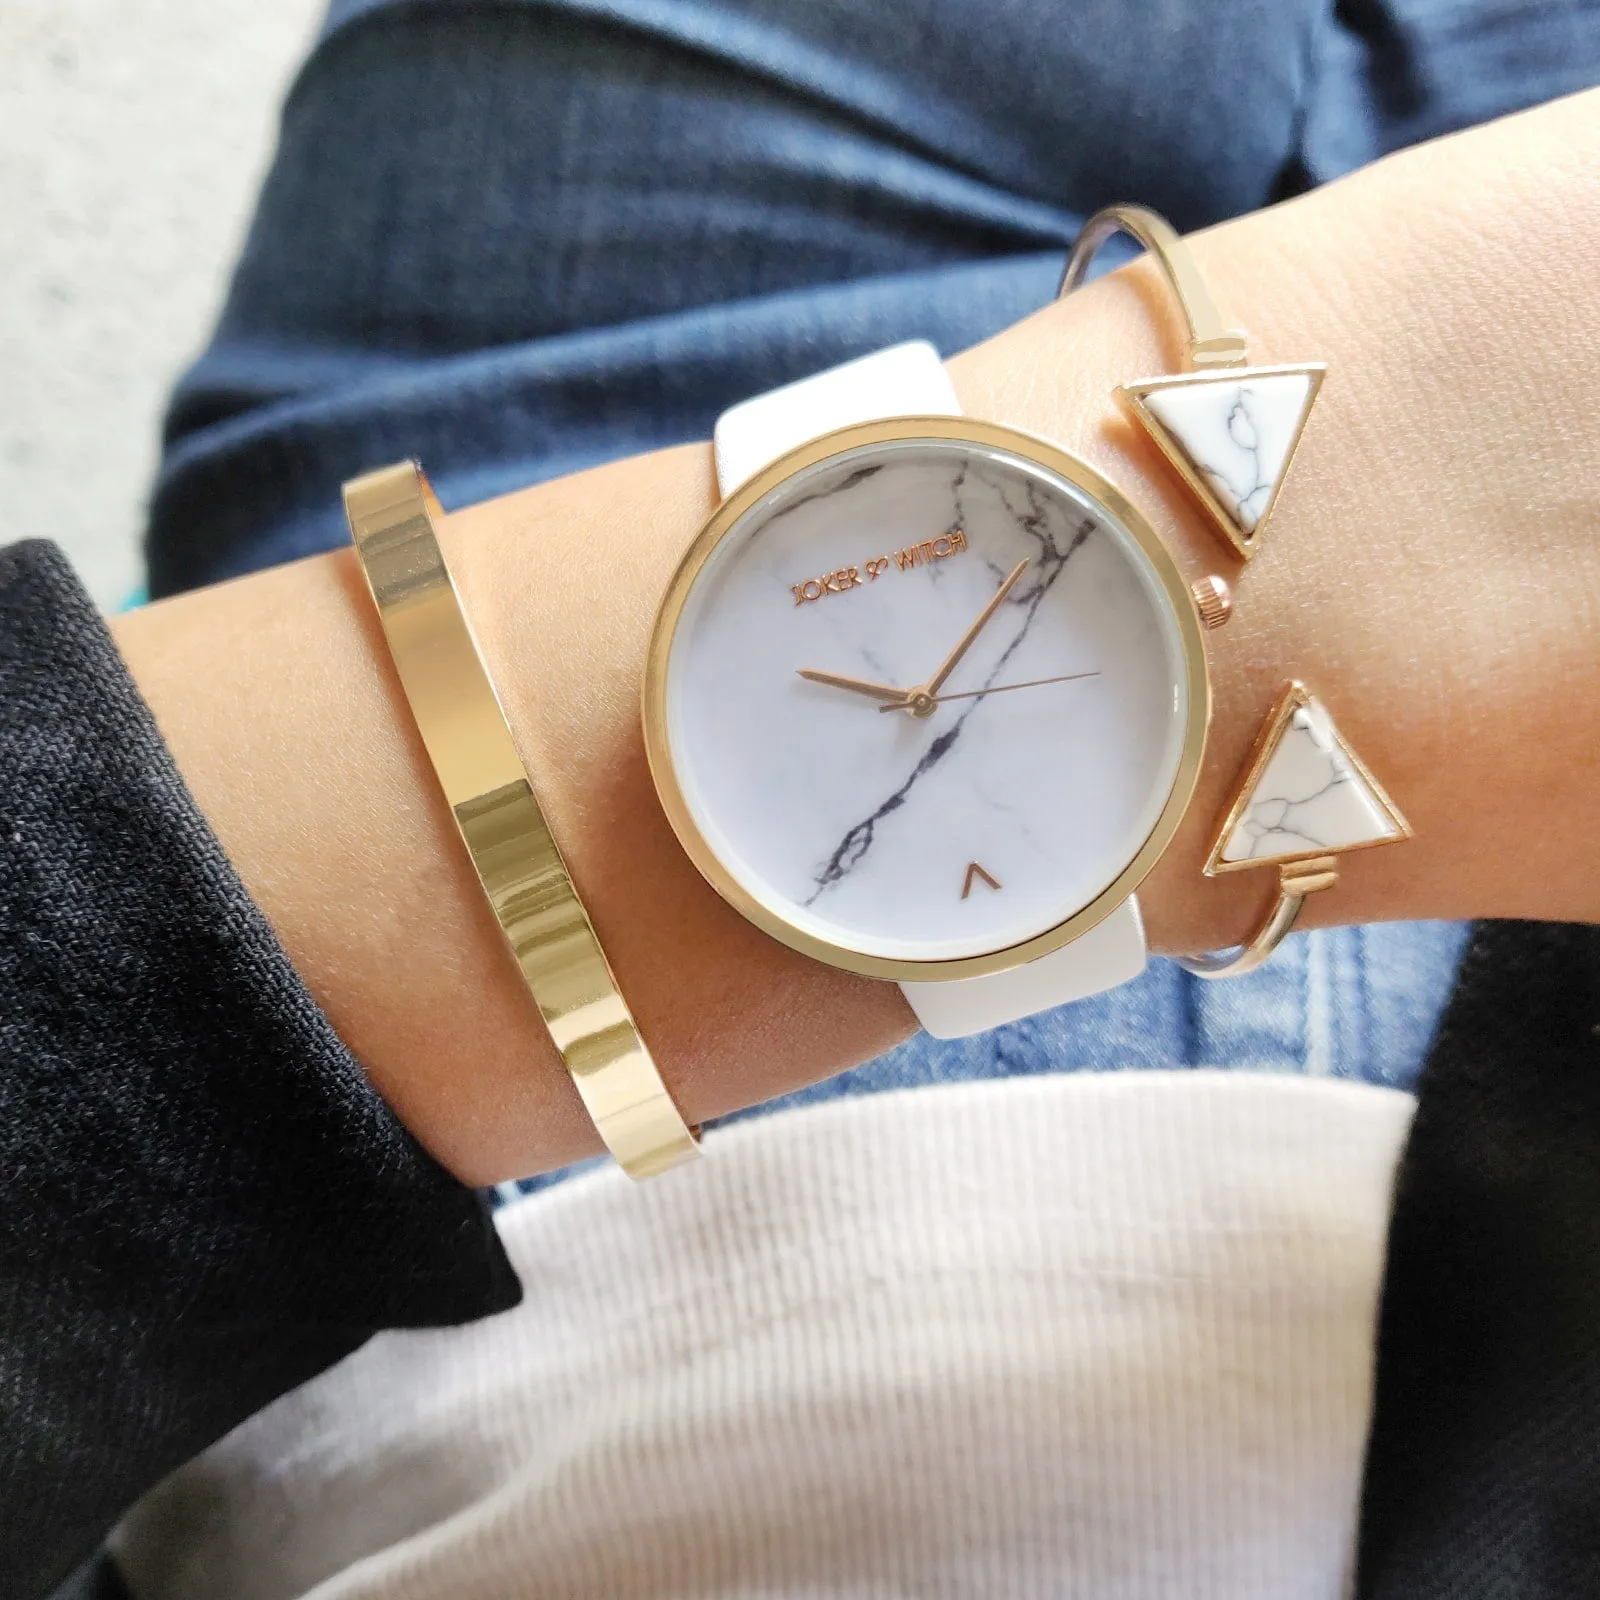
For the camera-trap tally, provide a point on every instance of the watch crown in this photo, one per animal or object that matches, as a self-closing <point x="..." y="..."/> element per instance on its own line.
<point x="1213" y="600"/>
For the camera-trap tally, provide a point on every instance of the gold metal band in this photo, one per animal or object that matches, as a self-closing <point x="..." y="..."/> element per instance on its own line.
<point x="391" y="514"/>
<point x="1211" y="343"/>
<point x="1194" y="417"/>
<point x="1296" y="880"/>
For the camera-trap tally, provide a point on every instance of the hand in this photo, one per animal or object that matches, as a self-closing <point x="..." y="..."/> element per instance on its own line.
<point x="1000" y="688"/>
<point x="921" y="700"/>
<point x="878" y="691"/>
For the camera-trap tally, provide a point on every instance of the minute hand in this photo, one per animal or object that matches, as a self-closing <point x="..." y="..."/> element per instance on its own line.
<point x="922" y="699"/>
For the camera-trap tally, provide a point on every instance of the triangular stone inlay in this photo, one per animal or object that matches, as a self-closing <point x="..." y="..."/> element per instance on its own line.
<point x="1307" y="795"/>
<point x="1234" y="432"/>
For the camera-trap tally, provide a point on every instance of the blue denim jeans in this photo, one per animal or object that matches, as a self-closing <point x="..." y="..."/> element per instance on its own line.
<point x="520" y="238"/>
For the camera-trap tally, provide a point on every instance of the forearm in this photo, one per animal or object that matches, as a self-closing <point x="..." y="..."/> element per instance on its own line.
<point x="1433" y="570"/>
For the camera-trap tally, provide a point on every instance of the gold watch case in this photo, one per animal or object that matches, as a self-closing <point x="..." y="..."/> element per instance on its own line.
<point x="957" y="430"/>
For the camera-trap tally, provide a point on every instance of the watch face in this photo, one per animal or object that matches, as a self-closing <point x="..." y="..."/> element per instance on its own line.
<point x="929" y="696"/>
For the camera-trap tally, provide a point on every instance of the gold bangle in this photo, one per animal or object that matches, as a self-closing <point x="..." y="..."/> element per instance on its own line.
<point x="468" y="740"/>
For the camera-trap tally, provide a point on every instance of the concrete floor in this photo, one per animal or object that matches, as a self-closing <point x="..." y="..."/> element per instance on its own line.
<point x="132" y="135"/>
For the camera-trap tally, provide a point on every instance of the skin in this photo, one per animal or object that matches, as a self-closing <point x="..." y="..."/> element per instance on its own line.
<point x="1432" y="569"/>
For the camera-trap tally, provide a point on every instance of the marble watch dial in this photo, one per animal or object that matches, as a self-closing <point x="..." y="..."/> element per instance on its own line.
<point x="1014" y="788"/>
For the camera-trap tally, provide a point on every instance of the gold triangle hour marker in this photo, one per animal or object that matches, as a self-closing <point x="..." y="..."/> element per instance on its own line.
<point x="1231" y="434"/>
<point x="975" y="871"/>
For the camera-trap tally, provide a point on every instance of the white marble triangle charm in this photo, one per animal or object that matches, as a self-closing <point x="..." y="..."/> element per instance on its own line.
<point x="1231" y="434"/>
<point x="1306" y="794"/>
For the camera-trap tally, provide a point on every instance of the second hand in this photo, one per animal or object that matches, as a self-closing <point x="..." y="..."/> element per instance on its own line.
<point x="999" y="688"/>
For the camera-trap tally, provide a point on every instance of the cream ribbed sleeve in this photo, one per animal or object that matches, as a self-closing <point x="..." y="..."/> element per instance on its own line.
<point x="1103" y="1336"/>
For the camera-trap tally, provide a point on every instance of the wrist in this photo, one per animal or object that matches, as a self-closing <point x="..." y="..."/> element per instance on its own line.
<point x="563" y="607"/>
<point x="1433" y="571"/>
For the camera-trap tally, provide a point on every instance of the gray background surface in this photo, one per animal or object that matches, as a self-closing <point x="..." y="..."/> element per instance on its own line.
<point x="132" y="135"/>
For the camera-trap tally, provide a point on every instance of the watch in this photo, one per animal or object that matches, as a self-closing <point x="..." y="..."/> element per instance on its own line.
<point x="927" y="697"/>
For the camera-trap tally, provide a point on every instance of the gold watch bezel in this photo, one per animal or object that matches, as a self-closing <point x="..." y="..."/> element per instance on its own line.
<point x="956" y="430"/>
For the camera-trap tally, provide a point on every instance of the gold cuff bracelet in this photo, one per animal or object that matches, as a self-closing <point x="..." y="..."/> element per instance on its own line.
<point x="1230" y="431"/>
<point x="1263" y="409"/>
<point x="464" y="729"/>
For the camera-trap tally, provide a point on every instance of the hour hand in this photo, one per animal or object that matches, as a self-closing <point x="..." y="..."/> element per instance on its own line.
<point x="874" y="691"/>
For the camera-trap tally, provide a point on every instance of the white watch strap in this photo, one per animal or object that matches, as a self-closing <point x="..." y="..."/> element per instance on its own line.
<point x="1111" y="952"/>
<point x="904" y="380"/>
<point x="910" y="380"/>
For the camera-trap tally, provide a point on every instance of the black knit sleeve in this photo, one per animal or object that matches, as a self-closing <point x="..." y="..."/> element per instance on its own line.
<point x="202" y="1201"/>
<point x="1483" y="1468"/>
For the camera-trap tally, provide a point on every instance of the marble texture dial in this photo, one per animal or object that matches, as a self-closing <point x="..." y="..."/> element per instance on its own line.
<point x="994" y="715"/>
